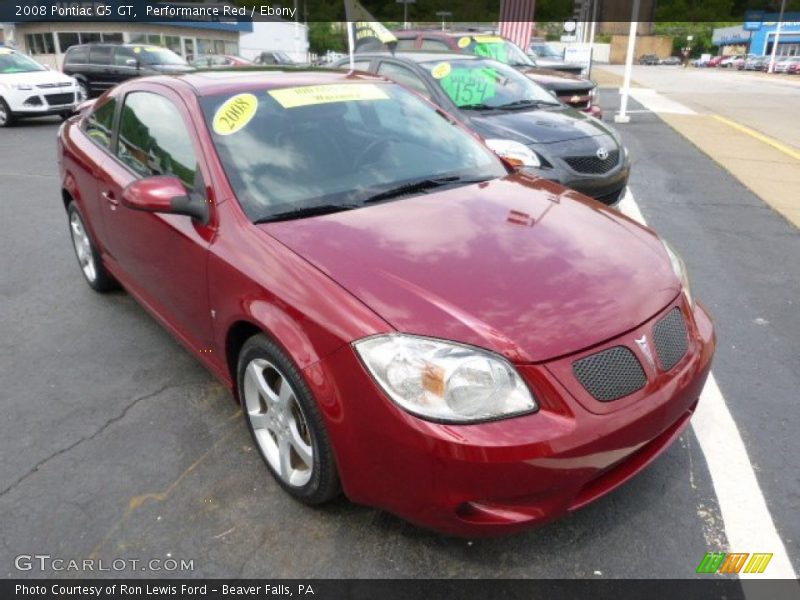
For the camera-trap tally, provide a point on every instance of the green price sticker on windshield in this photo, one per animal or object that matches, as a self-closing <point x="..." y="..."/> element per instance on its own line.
<point x="467" y="87"/>
<point x="494" y="50"/>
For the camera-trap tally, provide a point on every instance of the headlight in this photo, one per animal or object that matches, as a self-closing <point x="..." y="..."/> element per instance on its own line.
<point x="516" y="153"/>
<point x="679" y="268"/>
<point x="445" y="381"/>
<point x="21" y="86"/>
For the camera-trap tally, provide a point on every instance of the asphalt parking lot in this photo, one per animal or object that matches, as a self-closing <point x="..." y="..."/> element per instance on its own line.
<point x="116" y="443"/>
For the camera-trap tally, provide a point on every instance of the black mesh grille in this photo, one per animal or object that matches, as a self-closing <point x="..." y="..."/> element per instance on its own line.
<point x="592" y="164"/>
<point x="671" y="339"/>
<point x="59" y="99"/>
<point x="610" y="374"/>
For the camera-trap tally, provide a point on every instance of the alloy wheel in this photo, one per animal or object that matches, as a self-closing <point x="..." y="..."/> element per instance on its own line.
<point x="83" y="247"/>
<point x="279" y="425"/>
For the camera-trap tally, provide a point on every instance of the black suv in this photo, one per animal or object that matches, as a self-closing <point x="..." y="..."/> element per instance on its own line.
<point x="98" y="67"/>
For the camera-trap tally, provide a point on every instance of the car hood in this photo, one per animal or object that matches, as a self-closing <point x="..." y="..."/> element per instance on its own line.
<point x="36" y="77"/>
<point x="519" y="265"/>
<point x="540" y="126"/>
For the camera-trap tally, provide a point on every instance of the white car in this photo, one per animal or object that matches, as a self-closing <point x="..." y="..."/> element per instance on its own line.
<point x="28" y="89"/>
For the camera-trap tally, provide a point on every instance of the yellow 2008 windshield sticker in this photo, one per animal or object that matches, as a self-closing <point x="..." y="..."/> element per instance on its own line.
<point x="441" y="70"/>
<point x="137" y="50"/>
<point x="464" y="42"/>
<point x="323" y="94"/>
<point x="234" y="114"/>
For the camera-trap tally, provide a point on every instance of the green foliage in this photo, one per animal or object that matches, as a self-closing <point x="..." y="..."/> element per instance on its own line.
<point x="701" y="32"/>
<point x="325" y="35"/>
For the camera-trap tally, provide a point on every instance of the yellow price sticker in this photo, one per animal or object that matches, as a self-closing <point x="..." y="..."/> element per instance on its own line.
<point x="152" y="49"/>
<point x="137" y="50"/>
<point x="234" y="114"/>
<point x="441" y="70"/>
<point x="488" y="39"/>
<point x="463" y="42"/>
<point x="323" y="94"/>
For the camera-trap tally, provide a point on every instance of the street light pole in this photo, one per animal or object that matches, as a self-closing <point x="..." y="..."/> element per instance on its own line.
<point x="771" y="68"/>
<point x="622" y="116"/>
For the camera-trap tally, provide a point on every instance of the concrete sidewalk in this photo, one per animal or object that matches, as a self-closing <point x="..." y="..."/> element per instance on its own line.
<point x="767" y="166"/>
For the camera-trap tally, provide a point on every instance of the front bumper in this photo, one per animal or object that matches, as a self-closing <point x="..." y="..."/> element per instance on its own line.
<point x="607" y="188"/>
<point x="510" y="474"/>
<point x="40" y="102"/>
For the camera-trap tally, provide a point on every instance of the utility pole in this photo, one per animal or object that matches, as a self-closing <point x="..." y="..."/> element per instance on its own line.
<point x="771" y="68"/>
<point x="622" y="115"/>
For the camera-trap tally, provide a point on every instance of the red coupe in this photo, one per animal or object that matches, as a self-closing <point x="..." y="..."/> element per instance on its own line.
<point x="402" y="316"/>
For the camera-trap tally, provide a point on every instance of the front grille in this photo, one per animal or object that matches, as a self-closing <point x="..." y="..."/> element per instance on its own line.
<point x="49" y="86"/>
<point x="610" y="374"/>
<point x="582" y="99"/>
<point x="60" y="99"/>
<point x="592" y="165"/>
<point x="671" y="339"/>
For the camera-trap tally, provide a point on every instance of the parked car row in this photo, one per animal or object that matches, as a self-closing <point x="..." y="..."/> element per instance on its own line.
<point x="550" y="72"/>
<point x="751" y="62"/>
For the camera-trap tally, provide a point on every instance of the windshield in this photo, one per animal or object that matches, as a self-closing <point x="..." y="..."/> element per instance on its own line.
<point x="492" y="46"/>
<point x="12" y="62"/>
<point x="153" y="55"/>
<point x="546" y="51"/>
<point x="485" y="84"/>
<point x="339" y="145"/>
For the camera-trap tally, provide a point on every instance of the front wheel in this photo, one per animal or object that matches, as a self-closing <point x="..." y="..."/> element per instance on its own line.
<point x="285" y="423"/>
<point x="6" y="117"/>
<point x="83" y="91"/>
<point x="89" y="260"/>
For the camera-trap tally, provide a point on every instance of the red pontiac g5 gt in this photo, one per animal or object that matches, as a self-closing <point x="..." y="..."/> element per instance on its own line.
<point x="402" y="316"/>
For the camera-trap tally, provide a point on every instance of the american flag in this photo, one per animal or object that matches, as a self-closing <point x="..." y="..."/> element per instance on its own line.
<point x="516" y="21"/>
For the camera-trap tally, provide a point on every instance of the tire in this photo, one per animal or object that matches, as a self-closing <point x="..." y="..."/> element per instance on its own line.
<point x="285" y="422"/>
<point x="84" y="92"/>
<point x="6" y="116"/>
<point x="86" y="252"/>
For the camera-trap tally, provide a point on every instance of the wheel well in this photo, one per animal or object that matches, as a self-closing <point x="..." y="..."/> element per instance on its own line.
<point x="66" y="197"/>
<point x="238" y="334"/>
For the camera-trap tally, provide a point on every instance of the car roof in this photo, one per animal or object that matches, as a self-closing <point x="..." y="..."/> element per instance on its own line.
<point x="209" y="83"/>
<point x="420" y="57"/>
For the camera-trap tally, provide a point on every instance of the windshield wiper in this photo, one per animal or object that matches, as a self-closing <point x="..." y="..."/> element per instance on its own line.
<point x="308" y="211"/>
<point x="477" y="107"/>
<point x="423" y="185"/>
<point x="526" y="104"/>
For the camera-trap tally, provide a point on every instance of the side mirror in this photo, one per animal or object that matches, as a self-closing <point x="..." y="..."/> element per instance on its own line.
<point x="165" y="194"/>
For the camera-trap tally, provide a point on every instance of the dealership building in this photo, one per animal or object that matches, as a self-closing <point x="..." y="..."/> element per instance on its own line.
<point x="48" y="41"/>
<point x="758" y="35"/>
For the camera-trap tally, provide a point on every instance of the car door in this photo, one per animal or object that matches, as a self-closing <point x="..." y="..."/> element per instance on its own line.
<point x="99" y="72"/>
<point x="162" y="258"/>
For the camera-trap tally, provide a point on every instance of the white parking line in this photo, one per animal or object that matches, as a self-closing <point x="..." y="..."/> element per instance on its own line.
<point x="655" y="102"/>
<point x="746" y="517"/>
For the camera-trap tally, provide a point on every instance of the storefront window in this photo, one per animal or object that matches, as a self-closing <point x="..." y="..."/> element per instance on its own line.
<point x="173" y="42"/>
<point x="67" y="39"/>
<point x="40" y="43"/>
<point x="112" y="38"/>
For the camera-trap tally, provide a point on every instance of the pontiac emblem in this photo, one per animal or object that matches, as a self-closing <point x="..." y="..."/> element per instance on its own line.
<point x="602" y="153"/>
<point x="644" y="346"/>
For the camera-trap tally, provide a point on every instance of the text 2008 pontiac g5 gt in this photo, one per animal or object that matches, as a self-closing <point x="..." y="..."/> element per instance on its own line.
<point x="402" y="316"/>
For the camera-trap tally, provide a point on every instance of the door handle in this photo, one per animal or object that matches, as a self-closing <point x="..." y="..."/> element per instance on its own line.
<point x="112" y="200"/>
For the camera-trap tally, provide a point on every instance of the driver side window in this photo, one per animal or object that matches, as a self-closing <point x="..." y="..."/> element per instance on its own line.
<point x="154" y="140"/>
